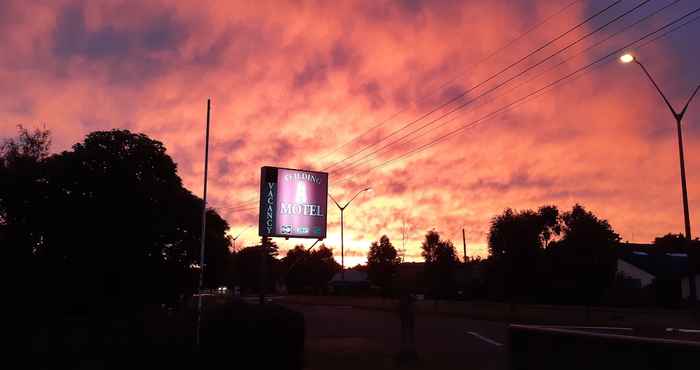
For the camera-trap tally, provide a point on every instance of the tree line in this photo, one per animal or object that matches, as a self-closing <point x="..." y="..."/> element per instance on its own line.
<point x="110" y="221"/>
<point x="535" y="256"/>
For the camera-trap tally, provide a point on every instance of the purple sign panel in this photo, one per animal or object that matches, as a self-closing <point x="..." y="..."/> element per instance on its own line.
<point x="293" y="203"/>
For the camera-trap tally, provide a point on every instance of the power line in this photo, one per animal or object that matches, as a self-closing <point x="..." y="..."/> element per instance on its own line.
<point x="597" y="43"/>
<point x="535" y="93"/>
<point x="401" y="141"/>
<point x="459" y="96"/>
<point x="455" y="78"/>
<point x="532" y="78"/>
<point x="493" y="76"/>
<point x="501" y="84"/>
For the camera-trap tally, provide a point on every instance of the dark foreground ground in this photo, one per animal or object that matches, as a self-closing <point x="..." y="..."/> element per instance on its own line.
<point x="283" y="334"/>
<point x="342" y="337"/>
<point x="350" y="337"/>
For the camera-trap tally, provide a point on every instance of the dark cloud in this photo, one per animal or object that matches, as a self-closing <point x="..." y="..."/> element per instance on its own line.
<point x="373" y="92"/>
<point x="313" y="72"/>
<point x="21" y="106"/>
<point x="72" y="38"/>
<point x="519" y="179"/>
<point x="223" y="167"/>
<point x="341" y="55"/>
<point x="396" y="187"/>
<point x="237" y="45"/>
<point x="231" y="146"/>
<point x="453" y="91"/>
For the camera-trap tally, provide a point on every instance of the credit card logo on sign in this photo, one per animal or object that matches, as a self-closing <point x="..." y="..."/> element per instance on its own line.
<point x="317" y="230"/>
<point x="302" y="230"/>
<point x="286" y="229"/>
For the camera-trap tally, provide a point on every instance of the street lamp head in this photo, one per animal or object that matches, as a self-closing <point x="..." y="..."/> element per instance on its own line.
<point x="369" y="189"/>
<point x="627" y="58"/>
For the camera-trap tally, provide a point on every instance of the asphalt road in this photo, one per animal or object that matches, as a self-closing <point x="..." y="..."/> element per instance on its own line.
<point x="342" y="337"/>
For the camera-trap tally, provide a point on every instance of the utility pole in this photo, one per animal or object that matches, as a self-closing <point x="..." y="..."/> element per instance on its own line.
<point x="204" y="227"/>
<point x="342" y="209"/>
<point x="342" y="251"/>
<point x="263" y="270"/>
<point x="678" y="116"/>
<point x="464" y="244"/>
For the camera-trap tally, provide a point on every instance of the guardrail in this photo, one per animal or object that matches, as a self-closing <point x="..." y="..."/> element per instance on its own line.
<point x="523" y="313"/>
<point x="536" y="347"/>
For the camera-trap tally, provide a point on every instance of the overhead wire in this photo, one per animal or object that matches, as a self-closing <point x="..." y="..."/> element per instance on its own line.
<point x="499" y="85"/>
<point x="456" y="77"/>
<point x="535" y="93"/>
<point x="465" y="92"/>
<point x="250" y="201"/>
<point x="522" y="83"/>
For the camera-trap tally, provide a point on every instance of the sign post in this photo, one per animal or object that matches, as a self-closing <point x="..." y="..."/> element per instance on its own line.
<point x="293" y="203"/>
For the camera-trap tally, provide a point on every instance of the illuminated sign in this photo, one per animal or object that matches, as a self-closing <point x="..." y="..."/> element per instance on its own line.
<point x="293" y="203"/>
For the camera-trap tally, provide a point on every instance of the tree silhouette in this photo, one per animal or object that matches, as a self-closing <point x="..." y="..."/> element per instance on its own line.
<point x="109" y="217"/>
<point x="382" y="262"/>
<point x="515" y="242"/>
<point x="309" y="270"/>
<point x="522" y="234"/>
<point x="674" y="243"/>
<point x="440" y="262"/>
<point x="23" y="189"/>
<point x="584" y="260"/>
<point x="269" y="245"/>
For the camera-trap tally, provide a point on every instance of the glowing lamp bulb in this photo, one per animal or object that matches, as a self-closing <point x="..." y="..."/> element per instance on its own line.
<point x="626" y="58"/>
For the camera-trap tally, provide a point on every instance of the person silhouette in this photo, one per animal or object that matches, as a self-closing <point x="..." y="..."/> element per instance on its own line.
<point x="407" y="317"/>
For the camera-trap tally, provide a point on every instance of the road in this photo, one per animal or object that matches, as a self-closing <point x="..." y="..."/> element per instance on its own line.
<point x="343" y="337"/>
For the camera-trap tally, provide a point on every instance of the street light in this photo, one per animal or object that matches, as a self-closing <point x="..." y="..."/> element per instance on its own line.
<point x="237" y="236"/>
<point x="342" y="208"/>
<point x="628" y="58"/>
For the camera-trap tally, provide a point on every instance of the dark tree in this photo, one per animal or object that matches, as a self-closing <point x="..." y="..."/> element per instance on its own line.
<point x="23" y="190"/>
<point x="270" y="246"/>
<point x="674" y="243"/>
<point x="584" y="260"/>
<point x="522" y="234"/>
<point x="109" y="217"/>
<point x="440" y="263"/>
<point x="515" y="242"/>
<point x="248" y="272"/>
<point x="382" y="263"/>
<point x="309" y="271"/>
<point x="296" y="272"/>
<point x="322" y="266"/>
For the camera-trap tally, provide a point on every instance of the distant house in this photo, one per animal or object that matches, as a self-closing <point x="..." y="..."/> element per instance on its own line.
<point x="669" y="271"/>
<point x="354" y="282"/>
<point x="685" y="285"/>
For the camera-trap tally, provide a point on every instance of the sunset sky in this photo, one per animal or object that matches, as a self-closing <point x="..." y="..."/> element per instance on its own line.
<point x="291" y="82"/>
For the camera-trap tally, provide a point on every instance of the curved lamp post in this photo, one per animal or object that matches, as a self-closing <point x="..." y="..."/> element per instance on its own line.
<point x="342" y="208"/>
<point x="629" y="58"/>
<point x="237" y="236"/>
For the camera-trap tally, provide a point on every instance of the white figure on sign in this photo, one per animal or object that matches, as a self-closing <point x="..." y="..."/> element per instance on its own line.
<point x="301" y="193"/>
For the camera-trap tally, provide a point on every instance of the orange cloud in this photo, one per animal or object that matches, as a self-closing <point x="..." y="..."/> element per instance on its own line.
<point x="291" y="82"/>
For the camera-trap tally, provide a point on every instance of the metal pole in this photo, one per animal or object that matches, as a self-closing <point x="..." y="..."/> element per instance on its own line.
<point x="263" y="272"/>
<point x="679" y="118"/>
<point x="342" y="251"/>
<point x="464" y="243"/>
<point x="204" y="227"/>
<point x="692" y="295"/>
<point x="686" y="212"/>
<point x="342" y="208"/>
